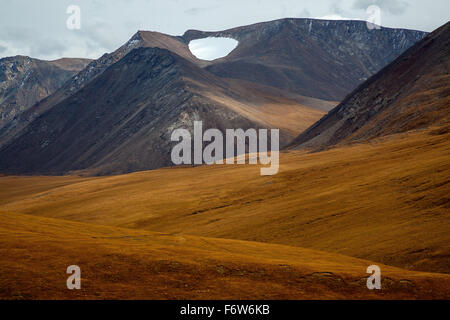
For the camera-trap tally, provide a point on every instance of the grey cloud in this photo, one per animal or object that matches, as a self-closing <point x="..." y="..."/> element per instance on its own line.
<point x="198" y="10"/>
<point x="47" y="46"/>
<point x="193" y="11"/>
<point x="336" y="8"/>
<point x="16" y="34"/>
<point x="99" y="33"/>
<point x="39" y="27"/>
<point x="37" y="44"/>
<point x="396" y="7"/>
<point x="305" y="13"/>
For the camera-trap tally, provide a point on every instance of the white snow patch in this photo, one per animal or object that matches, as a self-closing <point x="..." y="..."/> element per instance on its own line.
<point x="212" y="48"/>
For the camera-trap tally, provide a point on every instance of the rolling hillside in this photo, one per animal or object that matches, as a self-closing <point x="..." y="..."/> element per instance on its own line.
<point x="131" y="264"/>
<point x="386" y="201"/>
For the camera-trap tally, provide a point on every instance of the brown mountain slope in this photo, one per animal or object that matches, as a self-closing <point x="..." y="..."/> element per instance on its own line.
<point x="95" y="68"/>
<point x="315" y="58"/>
<point x="267" y="106"/>
<point x="132" y="264"/>
<point x="411" y="93"/>
<point x="25" y="81"/>
<point x="122" y="120"/>
<point x="386" y="201"/>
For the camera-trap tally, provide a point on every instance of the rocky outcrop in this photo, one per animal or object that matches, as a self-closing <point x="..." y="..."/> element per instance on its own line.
<point x="25" y="81"/>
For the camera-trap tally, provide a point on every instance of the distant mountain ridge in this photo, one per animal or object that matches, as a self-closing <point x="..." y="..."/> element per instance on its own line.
<point x="95" y="68"/>
<point x="129" y="100"/>
<point x="316" y="58"/>
<point x="25" y="81"/>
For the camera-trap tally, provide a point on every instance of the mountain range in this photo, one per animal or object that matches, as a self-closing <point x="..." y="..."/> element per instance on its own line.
<point x="25" y="81"/>
<point x="115" y="115"/>
<point x="315" y="58"/>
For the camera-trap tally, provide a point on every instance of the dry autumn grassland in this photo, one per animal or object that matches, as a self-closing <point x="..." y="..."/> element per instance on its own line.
<point x="386" y="201"/>
<point x="121" y="263"/>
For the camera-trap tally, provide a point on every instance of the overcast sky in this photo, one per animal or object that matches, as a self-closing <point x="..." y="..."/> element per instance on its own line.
<point x="38" y="28"/>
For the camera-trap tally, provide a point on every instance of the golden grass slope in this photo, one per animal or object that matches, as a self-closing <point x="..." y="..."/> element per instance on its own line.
<point x="287" y="115"/>
<point x="387" y="201"/>
<point x="134" y="264"/>
<point x="18" y="187"/>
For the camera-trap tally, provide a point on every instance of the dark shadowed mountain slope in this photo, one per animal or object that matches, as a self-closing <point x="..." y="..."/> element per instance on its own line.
<point x="123" y="119"/>
<point x="25" y="81"/>
<point x="316" y="58"/>
<point x="411" y="93"/>
<point x="95" y="68"/>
